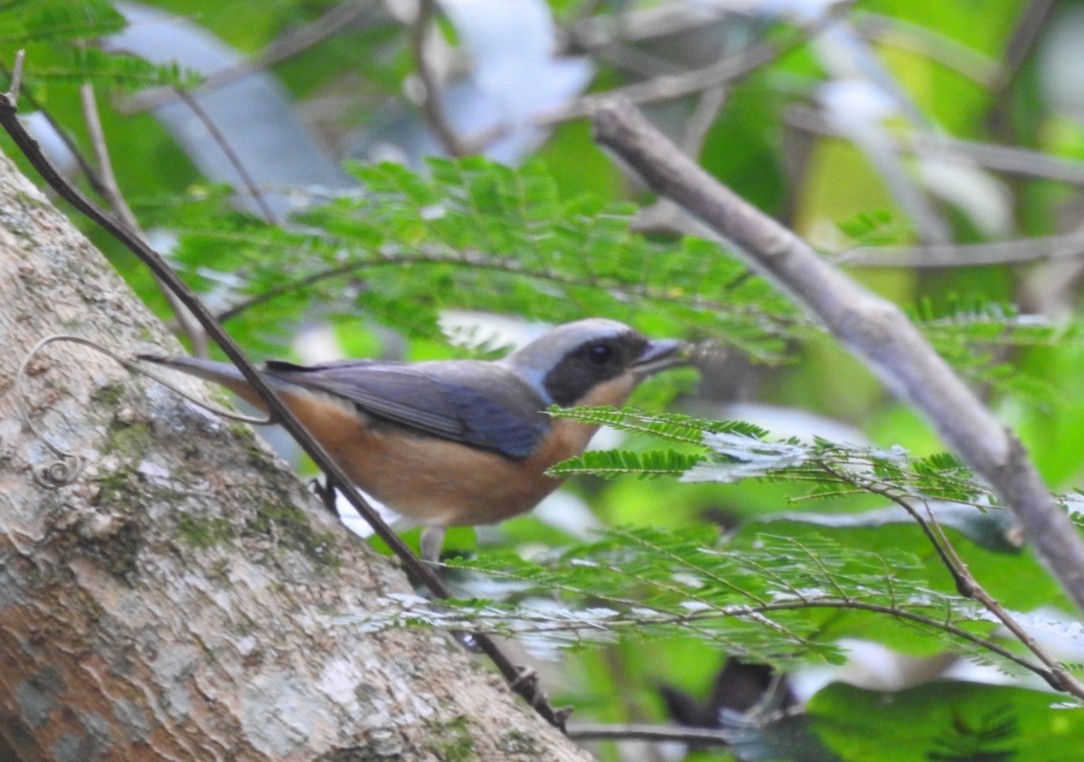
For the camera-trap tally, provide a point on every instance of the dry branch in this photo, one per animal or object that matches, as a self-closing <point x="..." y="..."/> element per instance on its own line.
<point x="873" y="329"/>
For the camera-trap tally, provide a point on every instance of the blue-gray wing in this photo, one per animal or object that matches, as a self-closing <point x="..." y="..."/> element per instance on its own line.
<point x="474" y="403"/>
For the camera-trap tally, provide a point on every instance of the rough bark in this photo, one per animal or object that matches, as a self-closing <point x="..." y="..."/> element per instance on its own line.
<point x="179" y="599"/>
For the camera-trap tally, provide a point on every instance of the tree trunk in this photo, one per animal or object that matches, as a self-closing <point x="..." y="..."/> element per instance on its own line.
<point x="178" y="599"/>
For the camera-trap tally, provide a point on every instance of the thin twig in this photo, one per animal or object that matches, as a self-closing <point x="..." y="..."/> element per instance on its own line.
<point x="613" y="37"/>
<point x="868" y="486"/>
<point x="231" y="156"/>
<point x="17" y="78"/>
<point x="432" y="108"/>
<point x="1012" y="252"/>
<point x="780" y="325"/>
<point x="591" y="33"/>
<point x="1059" y="677"/>
<point x="930" y="43"/>
<point x="700" y="121"/>
<point x="1030" y="25"/>
<point x="282" y="49"/>
<point x="872" y="328"/>
<point x="113" y="196"/>
<point x="336" y="477"/>
<point x="1011" y="160"/>
<point x="85" y="166"/>
<point x="643" y="614"/>
<point x="635" y="731"/>
<point x="729" y="69"/>
<point x="966" y="584"/>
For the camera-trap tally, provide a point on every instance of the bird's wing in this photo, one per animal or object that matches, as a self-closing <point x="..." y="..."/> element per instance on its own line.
<point x="473" y="403"/>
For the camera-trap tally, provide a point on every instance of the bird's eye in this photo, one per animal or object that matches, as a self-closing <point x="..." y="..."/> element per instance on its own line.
<point x="599" y="354"/>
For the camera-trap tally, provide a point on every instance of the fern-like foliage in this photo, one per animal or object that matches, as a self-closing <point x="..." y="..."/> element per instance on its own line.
<point x="25" y="22"/>
<point x="731" y="451"/>
<point x="761" y="596"/>
<point x="58" y="36"/>
<point x="938" y="486"/>
<point x="477" y="235"/>
<point x="973" y="336"/>
<point x="993" y="738"/>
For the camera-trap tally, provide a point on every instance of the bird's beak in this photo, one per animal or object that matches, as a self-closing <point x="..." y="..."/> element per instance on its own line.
<point x="662" y="354"/>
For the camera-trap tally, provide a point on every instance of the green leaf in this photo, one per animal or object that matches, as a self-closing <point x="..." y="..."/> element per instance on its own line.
<point x="620" y="462"/>
<point x="739" y="451"/>
<point x="23" y="22"/>
<point x="994" y="530"/>
<point x="946" y="722"/>
<point x="789" y="738"/>
<point x="878" y="227"/>
<point x="478" y="235"/>
<point x="108" y="70"/>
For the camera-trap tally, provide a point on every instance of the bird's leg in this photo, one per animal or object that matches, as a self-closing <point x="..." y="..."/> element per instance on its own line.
<point x="432" y="541"/>
<point x="325" y="490"/>
<point x="527" y="676"/>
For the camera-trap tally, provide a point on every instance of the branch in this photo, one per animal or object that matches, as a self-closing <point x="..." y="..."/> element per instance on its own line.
<point x="729" y="69"/>
<point x="284" y="48"/>
<point x="1012" y="160"/>
<point x="432" y="108"/>
<point x="1056" y="676"/>
<point x="110" y="190"/>
<point x="932" y="44"/>
<point x="258" y="196"/>
<point x="591" y="731"/>
<point x="88" y="170"/>
<point x="197" y="588"/>
<point x="873" y="329"/>
<point x="779" y="325"/>
<point x="1028" y="30"/>
<point x="640" y="617"/>
<point x="1012" y="252"/>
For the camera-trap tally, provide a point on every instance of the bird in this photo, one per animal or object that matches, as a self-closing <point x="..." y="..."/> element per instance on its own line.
<point x="458" y="442"/>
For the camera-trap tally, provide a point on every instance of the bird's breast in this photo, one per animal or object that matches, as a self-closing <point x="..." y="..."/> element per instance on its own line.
<point x="449" y="484"/>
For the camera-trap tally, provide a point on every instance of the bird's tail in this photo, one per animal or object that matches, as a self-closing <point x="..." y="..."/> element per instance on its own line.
<point x="222" y="373"/>
<point x="210" y="370"/>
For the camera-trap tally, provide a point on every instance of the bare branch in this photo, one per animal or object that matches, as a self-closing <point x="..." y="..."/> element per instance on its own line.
<point x="1058" y="676"/>
<point x="594" y="32"/>
<point x="65" y="137"/>
<point x="590" y="731"/>
<point x="729" y="69"/>
<point x="967" y="585"/>
<point x="1017" y="251"/>
<point x="1030" y="25"/>
<point x="1011" y="160"/>
<point x="16" y="78"/>
<point x="431" y="105"/>
<point x="110" y="189"/>
<point x="708" y="105"/>
<point x="873" y="329"/>
<point x="284" y="48"/>
<point x="929" y="43"/>
<point x="258" y="196"/>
